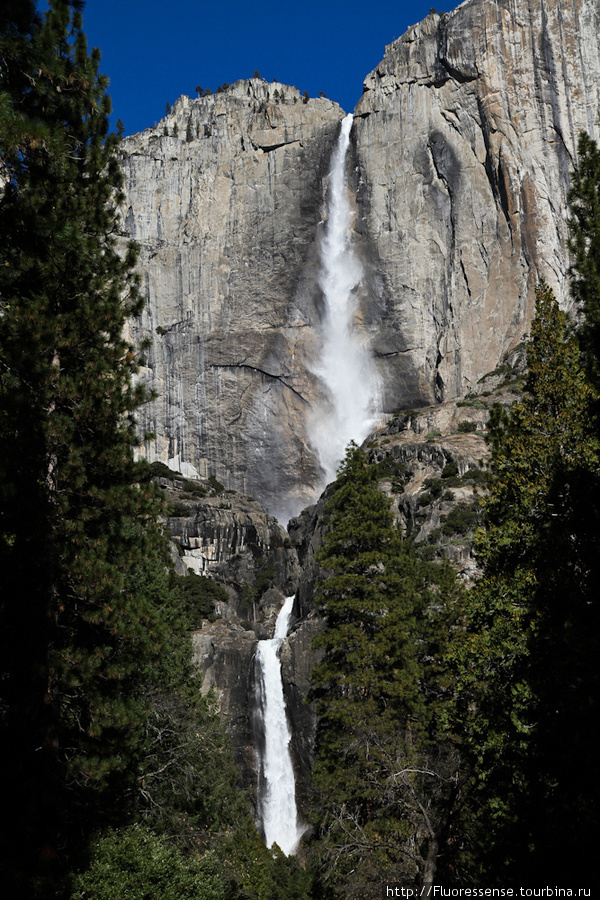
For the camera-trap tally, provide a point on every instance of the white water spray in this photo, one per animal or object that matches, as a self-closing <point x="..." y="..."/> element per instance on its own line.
<point x="345" y="367"/>
<point x="349" y="377"/>
<point x="277" y="811"/>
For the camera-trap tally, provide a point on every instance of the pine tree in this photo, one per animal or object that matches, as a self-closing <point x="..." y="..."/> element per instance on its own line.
<point x="77" y="635"/>
<point x="370" y="604"/>
<point x="584" y="224"/>
<point x="526" y="657"/>
<point x="384" y="782"/>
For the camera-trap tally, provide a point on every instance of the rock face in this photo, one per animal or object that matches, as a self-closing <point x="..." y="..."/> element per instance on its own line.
<point x="229" y="538"/>
<point x="463" y="142"/>
<point x="224" y="198"/>
<point x="465" y="137"/>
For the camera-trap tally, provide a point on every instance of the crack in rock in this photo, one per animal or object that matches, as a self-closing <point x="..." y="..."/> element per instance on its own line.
<point x="272" y="375"/>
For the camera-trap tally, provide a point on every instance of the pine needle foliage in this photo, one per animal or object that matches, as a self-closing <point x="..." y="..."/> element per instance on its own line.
<point x="384" y="783"/>
<point x="525" y="673"/>
<point x="78" y="636"/>
<point x="372" y="605"/>
<point x="584" y="226"/>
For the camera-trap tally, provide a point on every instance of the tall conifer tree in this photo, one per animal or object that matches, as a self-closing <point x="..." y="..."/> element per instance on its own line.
<point x="76" y="634"/>
<point x="526" y="659"/>
<point x="584" y="224"/>
<point x="385" y="783"/>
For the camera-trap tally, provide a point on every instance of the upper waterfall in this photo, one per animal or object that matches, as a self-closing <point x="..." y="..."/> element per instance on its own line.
<point x="345" y="366"/>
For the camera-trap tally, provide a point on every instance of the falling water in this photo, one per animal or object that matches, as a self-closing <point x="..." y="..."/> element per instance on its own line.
<point x="349" y="378"/>
<point x="277" y="812"/>
<point x="345" y="367"/>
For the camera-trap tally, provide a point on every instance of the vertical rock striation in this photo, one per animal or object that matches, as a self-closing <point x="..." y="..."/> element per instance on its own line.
<point x="465" y="136"/>
<point x="224" y="197"/>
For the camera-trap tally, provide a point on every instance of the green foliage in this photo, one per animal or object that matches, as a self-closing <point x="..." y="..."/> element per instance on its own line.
<point x="197" y="597"/>
<point x="80" y="639"/>
<point x="194" y="489"/>
<point x="434" y="488"/>
<point x="477" y="477"/>
<point x="363" y="597"/>
<point x="467" y="427"/>
<point x="186" y="780"/>
<point x="189" y="789"/>
<point x="450" y="469"/>
<point x="473" y="402"/>
<point x="376" y="768"/>
<point x="252" y="872"/>
<point x="393" y="469"/>
<point x="189" y="134"/>
<point x="584" y="224"/>
<point x="218" y="487"/>
<point x="160" y="470"/>
<point x="135" y="864"/>
<point x="463" y="519"/>
<point x="177" y="510"/>
<point x="527" y="683"/>
<point x="265" y="573"/>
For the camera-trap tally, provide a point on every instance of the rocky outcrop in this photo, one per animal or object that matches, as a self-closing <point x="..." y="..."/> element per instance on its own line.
<point x="224" y="652"/>
<point x="465" y="137"/>
<point x="231" y="539"/>
<point x="297" y="660"/>
<point x="435" y="482"/>
<point x="224" y="197"/>
<point x="434" y="465"/>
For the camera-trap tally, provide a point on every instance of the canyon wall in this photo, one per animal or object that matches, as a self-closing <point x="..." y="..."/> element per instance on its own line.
<point x="224" y="197"/>
<point x="461" y="150"/>
<point x="465" y="136"/>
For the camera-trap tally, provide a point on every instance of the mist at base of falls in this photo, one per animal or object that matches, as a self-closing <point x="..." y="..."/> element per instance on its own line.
<point x="277" y="810"/>
<point x="345" y="366"/>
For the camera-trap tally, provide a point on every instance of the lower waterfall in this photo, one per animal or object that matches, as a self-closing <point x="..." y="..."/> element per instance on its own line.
<point x="277" y="811"/>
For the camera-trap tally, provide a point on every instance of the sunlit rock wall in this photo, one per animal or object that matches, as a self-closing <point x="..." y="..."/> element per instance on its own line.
<point x="465" y="136"/>
<point x="224" y="197"/>
<point x="462" y="146"/>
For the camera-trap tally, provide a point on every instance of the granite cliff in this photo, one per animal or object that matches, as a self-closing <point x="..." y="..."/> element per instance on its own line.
<point x="466" y="134"/>
<point x="223" y="198"/>
<point x="461" y="150"/>
<point x="458" y="170"/>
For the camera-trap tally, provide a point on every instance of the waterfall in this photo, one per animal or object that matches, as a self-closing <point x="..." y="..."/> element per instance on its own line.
<point x="350" y="382"/>
<point x="277" y="811"/>
<point x="345" y="367"/>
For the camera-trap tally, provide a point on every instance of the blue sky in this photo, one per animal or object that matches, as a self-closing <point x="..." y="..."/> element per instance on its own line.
<point x="155" y="51"/>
